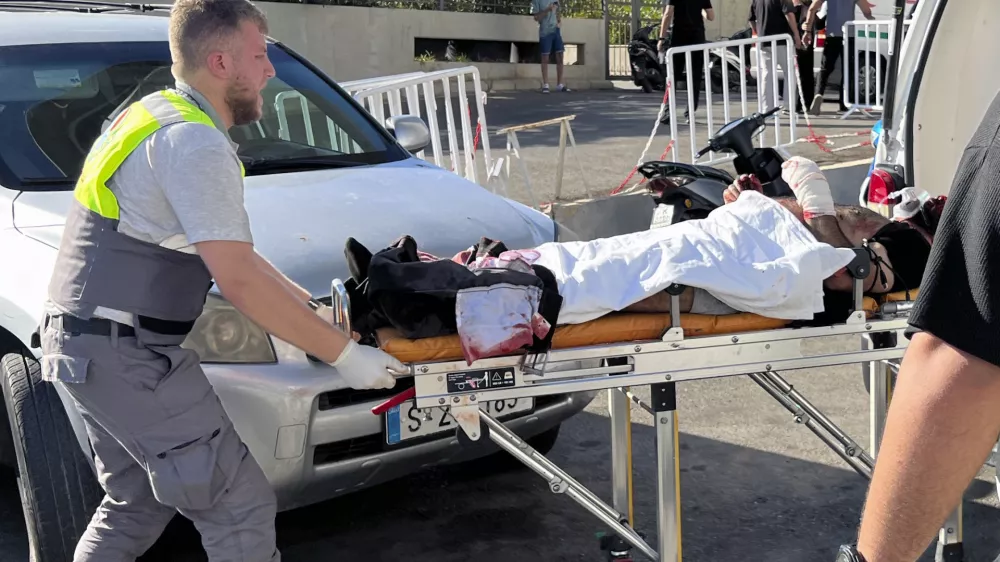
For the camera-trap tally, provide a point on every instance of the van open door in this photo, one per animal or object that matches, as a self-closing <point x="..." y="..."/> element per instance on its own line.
<point x="944" y="83"/>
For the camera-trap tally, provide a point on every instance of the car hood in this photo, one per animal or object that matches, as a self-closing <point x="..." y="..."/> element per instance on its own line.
<point x="300" y="221"/>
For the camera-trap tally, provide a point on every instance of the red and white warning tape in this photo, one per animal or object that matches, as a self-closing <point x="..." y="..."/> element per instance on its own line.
<point x="649" y="141"/>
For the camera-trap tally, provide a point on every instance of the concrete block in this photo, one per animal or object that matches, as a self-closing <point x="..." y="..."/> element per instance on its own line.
<point x="602" y="217"/>
<point x="499" y="85"/>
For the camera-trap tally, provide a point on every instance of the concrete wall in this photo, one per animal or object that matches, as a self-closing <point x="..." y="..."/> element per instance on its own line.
<point x="730" y="17"/>
<point x="351" y="43"/>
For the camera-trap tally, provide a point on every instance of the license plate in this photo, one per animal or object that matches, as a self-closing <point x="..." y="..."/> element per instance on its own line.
<point x="406" y="421"/>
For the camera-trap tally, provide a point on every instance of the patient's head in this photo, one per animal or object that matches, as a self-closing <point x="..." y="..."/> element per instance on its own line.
<point x="856" y="222"/>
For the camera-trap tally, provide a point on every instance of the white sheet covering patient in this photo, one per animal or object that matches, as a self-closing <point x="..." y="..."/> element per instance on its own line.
<point x="752" y="255"/>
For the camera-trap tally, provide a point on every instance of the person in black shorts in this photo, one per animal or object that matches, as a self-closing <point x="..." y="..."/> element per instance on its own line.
<point x="945" y="412"/>
<point x="688" y="17"/>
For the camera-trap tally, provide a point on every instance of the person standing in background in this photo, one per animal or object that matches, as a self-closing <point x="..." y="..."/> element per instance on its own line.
<point x="774" y="17"/>
<point x="838" y="12"/>
<point x="804" y="58"/>
<point x="546" y="13"/>
<point x="688" y="18"/>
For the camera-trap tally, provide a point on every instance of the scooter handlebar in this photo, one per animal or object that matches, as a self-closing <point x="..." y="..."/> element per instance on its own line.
<point x="771" y="112"/>
<point x="758" y="118"/>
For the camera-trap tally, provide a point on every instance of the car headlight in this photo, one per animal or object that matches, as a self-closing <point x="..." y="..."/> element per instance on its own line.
<point x="223" y="334"/>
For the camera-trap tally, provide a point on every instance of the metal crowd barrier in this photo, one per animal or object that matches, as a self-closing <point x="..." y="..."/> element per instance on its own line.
<point x="866" y="60"/>
<point x="739" y="60"/>
<point x="425" y="94"/>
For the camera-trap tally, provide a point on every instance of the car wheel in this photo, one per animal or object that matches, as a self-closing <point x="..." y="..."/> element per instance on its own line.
<point x="870" y="73"/>
<point x="58" y="488"/>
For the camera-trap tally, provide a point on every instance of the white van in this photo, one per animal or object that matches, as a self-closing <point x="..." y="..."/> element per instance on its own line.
<point x="943" y="91"/>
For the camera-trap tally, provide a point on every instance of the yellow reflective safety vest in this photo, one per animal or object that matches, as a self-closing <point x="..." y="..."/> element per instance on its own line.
<point x="99" y="266"/>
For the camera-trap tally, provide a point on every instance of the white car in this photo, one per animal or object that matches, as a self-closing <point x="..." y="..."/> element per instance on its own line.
<point x="63" y="75"/>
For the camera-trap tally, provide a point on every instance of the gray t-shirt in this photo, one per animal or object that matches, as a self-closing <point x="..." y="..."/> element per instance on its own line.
<point x="548" y="24"/>
<point x="182" y="185"/>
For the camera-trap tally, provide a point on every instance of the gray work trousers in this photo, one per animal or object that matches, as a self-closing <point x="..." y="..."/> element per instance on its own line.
<point x="163" y="444"/>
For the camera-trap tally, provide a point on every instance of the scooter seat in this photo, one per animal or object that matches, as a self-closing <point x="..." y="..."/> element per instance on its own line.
<point x="660" y="169"/>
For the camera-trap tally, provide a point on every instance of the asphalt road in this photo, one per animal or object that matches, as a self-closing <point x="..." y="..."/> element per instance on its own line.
<point x="754" y="485"/>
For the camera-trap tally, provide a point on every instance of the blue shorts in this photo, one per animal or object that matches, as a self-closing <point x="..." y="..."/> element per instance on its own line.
<point x="551" y="43"/>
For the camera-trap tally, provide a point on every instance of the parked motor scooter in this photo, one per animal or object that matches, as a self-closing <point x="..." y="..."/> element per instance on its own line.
<point x="691" y="191"/>
<point x="735" y="61"/>
<point x="647" y="72"/>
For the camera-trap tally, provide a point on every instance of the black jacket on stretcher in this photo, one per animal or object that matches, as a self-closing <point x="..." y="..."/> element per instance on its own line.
<point x="395" y="287"/>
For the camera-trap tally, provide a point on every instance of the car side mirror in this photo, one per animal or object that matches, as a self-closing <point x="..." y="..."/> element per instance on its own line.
<point x="410" y="130"/>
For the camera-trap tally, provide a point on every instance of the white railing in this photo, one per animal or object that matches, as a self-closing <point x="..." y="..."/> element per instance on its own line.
<point x="867" y="64"/>
<point x="423" y="95"/>
<point x="737" y="99"/>
<point x="358" y="85"/>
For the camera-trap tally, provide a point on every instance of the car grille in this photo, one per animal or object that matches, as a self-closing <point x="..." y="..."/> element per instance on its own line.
<point x="352" y="448"/>
<point x="349" y="396"/>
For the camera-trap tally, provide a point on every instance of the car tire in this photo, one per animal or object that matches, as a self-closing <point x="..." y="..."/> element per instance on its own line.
<point x="871" y="68"/>
<point x="59" y="491"/>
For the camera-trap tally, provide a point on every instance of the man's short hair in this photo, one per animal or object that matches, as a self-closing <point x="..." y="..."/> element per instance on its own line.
<point x="199" y="26"/>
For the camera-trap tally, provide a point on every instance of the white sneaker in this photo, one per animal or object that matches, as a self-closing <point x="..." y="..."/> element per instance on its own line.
<point x="817" y="104"/>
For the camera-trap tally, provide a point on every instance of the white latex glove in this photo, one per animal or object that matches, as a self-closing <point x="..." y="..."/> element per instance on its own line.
<point x="809" y="185"/>
<point x="365" y="367"/>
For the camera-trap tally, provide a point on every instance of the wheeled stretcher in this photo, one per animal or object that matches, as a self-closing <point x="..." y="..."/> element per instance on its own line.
<point x="624" y="350"/>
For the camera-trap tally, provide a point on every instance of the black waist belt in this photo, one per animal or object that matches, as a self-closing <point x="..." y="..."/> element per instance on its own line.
<point x="94" y="327"/>
<point x="102" y="327"/>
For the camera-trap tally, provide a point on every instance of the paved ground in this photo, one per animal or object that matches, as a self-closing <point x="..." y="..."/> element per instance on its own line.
<point x="612" y="127"/>
<point x="755" y="486"/>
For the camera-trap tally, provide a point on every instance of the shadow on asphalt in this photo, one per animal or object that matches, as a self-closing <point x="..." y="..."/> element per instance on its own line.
<point x="600" y="115"/>
<point x="738" y="504"/>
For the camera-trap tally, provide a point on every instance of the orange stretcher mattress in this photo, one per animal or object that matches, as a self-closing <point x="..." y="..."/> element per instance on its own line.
<point x="613" y="328"/>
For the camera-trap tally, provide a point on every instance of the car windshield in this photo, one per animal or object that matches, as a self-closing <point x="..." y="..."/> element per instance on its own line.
<point x="56" y="99"/>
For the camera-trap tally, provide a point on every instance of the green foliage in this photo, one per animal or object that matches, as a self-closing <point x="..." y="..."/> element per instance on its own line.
<point x="584" y="9"/>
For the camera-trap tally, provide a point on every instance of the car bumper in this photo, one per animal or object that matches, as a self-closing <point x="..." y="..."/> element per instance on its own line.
<point x="316" y="440"/>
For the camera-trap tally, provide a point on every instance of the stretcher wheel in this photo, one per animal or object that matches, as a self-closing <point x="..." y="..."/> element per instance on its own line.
<point x="617" y="548"/>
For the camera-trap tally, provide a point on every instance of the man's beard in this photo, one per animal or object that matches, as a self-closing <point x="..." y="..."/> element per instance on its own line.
<point x="243" y="105"/>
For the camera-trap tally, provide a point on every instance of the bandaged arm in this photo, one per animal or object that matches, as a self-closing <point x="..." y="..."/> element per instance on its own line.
<point x="812" y="191"/>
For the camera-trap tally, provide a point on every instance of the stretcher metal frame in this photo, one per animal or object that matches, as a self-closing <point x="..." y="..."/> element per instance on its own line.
<point x="661" y="364"/>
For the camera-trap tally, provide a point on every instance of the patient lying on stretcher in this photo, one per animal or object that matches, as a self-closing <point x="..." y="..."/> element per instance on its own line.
<point x="898" y="251"/>
<point x="776" y="259"/>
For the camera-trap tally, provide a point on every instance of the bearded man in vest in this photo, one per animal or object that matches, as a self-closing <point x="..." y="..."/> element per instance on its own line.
<point x="157" y="216"/>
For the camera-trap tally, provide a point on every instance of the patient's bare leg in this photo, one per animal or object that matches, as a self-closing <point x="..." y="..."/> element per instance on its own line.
<point x="660" y="302"/>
